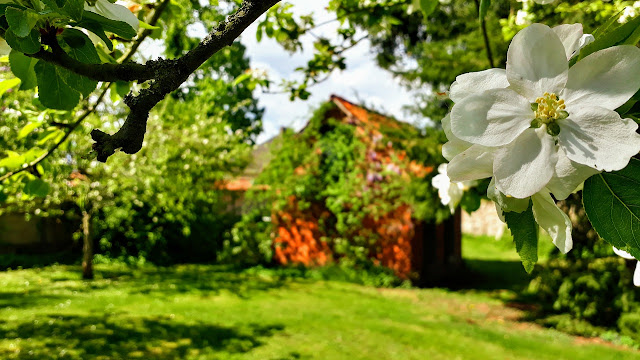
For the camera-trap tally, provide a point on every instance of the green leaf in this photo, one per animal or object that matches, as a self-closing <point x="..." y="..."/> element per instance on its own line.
<point x="612" y="203"/>
<point x="37" y="187"/>
<point x="74" y="8"/>
<point x="27" y="45"/>
<point x="98" y="30"/>
<point x="79" y="46"/>
<point x="525" y="234"/>
<point x="22" y="67"/>
<point x="27" y="129"/>
<point x="8" y="84"/>
<point x="144" y="25"/>
<point x="21" y="22"/>
<point x="614" y="36"/>
<point x="484" y="7"/>
<point x="606" y="26"/>
<point x="120" y="28"/>
<point x="12" y="161"/>
<point x="428" y="7"/>
<point x="123" y="88"/>
<point x="53" y="92"/>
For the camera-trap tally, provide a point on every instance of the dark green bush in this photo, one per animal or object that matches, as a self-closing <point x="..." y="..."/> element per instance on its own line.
<point x="598" y="291"/>
<point x="629" y="325"/>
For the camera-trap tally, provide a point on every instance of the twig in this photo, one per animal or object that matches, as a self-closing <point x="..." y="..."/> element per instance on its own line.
<point x="70" y="128"/>
<point x="487" y="43"/>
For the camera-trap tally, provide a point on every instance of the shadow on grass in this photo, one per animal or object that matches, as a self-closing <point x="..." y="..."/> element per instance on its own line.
<point x="496" y="275"/>
<point x="183" y="279"/>
<point x="11" y="299"/>
<point x="113" y="337"/>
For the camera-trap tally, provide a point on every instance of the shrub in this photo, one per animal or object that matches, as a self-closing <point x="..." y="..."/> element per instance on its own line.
<point x="629" y="325"/>
<point x="598" y="291"/>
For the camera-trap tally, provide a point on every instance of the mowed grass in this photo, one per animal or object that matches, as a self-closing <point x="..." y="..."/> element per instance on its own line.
<point x="207" y="312"/>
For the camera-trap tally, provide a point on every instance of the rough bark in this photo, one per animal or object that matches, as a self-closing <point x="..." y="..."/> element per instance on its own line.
<point x="164" y="75"/>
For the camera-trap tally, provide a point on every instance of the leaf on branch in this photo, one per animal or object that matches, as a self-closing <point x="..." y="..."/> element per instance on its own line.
<point x="8" y="84"/>
<point x="79" y="46"/>
<point x="22" y="67"/>
<point x="484" y="7"/>
<point x="12" y="161"/>
<point x="36" y="187"/>
<point x="98" y="30"/>
<point x="27" y="45"/>
<point x="73" y="8"/>
<point x="119" y="28"/>
<point x="612" y="203"/>
<point x="524" y="229"/>
<point x="625" y="34"/>
<point x="21" y="22"/>
<point x="28" y="129"/>
<point x="53" y="92"/>
<point x="428" y="7"/>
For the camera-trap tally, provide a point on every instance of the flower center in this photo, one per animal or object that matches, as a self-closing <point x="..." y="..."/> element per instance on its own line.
<point x="548" y="109"/>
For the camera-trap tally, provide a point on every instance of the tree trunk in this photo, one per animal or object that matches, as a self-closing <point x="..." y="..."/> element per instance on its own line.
<point x="87" y="247"/>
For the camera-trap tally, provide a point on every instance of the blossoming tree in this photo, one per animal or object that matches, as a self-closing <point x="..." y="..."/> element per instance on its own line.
<point x="562" y="116"/>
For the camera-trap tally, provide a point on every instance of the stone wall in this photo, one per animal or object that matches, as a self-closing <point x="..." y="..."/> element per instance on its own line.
<point x="483" y="221"/>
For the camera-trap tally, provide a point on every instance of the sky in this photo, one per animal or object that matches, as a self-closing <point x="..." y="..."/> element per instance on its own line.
<point x="362" y="80"/>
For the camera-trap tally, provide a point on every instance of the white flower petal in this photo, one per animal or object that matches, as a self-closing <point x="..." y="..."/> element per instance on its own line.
<point x="472" y="164"/>
<point x="586" y="39"/>
<point x="598" y="138"/>
<point x="114" y="12"/>
<point x="568" y="176"/>
<point x="506" y="203"/>
<point x="454" y="146"/>
<point x="553" y="220"/>
<point x="495" y="117"/>
<point x="536" y="62"/>
<point x="623" y="253"/>
<point x="636" y="275"/>
<point x="570" y="35"/>
<point x="544" y="2"/>
<point x="455" y="194"/>
<point x="606" y="78"/>
<point x="476" y="82"/>
<point x="525" y="166"/>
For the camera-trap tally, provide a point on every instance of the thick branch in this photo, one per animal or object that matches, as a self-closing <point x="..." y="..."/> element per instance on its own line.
<point x="169" y="75"/>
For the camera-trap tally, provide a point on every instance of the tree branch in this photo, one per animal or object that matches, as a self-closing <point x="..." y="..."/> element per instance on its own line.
<point x="169" y="75"/>
<point x="71" y="127"/>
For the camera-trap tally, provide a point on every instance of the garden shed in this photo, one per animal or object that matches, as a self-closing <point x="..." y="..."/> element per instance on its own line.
<point x="356" y="197"/>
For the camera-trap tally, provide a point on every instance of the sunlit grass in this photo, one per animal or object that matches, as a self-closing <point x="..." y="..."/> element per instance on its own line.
<point x="206" y="312"/>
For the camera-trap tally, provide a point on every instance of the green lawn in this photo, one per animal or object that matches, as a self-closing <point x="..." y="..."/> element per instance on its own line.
<point x="205" y="312"/>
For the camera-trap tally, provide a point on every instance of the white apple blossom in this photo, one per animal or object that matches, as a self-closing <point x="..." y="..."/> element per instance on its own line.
<point x="114" y="11"/>
<point x="548" y="121"/>
<point x="626" y="255"/>
<point x="476" y="162"/>
<point x="450" y="193"/>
